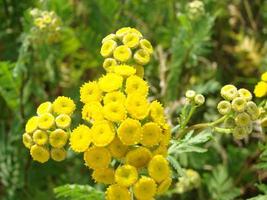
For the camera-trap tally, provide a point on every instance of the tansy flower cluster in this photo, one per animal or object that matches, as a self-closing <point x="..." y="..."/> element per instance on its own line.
<point x="194" y="98"/>
<point x="239" y="110"/>
<point x="124" y="138"/>
<point x="126" y="47"/>
<point x="189" y="181"/>
<point x="46" y="134"/>
<point x="261" y="87"/>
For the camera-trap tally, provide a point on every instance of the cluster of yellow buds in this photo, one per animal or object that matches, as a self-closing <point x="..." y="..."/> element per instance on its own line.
<point x="261" y="87"/>
<point x="46" y="134"/>
<point x="126" y="46"/>
<point x="191" y="180"/>
<point x="239" y="109"/>
<point x="124" y="138"/>
<point x="194" y="98"/>
<point x="195" y="9"/>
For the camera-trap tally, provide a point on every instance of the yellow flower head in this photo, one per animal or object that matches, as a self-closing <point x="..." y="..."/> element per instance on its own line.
<point x="31" y="125"/>
<point x="151" y="133"/>
<point x="110" y="82"/>
<point x="130" y="132"/>
<point x="242" y="119"/>
<point x="40" y="137"/>
<point x="158" y="168"/>
<point x="139" y="71"/>
<point x="137" y="106"/>
<point x="92" y="111"/>
<point x="124" y="70"/>
<point x="145" y="188"/>
<point x="102" y="133"/>
<point x="122" y="53"/>
<point x="157" y="112"/>
<point x="135" y="84"/>
<point x="264" y="77"/>
<point x="90" y="92"/>
<point x="117" y="148"/>
<point x="161" y="150"/>
<point x="138" y="157"/>
<point x="131" y="40"/>
<point x="229" y="92"/>
<point x="122" y="31"/>
<point x="104" y="175"/>
<point x="80" y="138"/>
<point x="239" y="104"/>
<point x="63" y="121"/>
<point x="117" y="192"/>
<point x="39" y="153"/>
<point x="114" y="97"/>
<point x="45" y="107"/>
<point x="165" y="135"/>
<point x="58" y="154"/>
<point x="111" y="36"/>
<point x="97" y="157"/>
<point x="244" y="93"/>
<point x="114" y="112"/>
<point x="134" y="30"/>
<point x="108" y="47"/>
<point x="63" y="105"/>
<point x="46" y="121"/>
<point x="141" y="56"/>
<point x="261" y="89"/>
<point x="146" y="45"/>
<point x="126" y="175"/>
<point x="164" y="186"/>
<point x="58" y="138"/>
<point x="27" y="140"/>
<point x="109" y="63"/>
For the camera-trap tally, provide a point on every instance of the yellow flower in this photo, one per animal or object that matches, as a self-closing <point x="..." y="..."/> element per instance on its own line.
<point x="39" y="153"/>
<point x="111" y="36"/>
<point x="239" y="104"/>
<point x="117" y="148"/>
<point x="92" y="111"/>
<point x="130" y="132"/>
<point x="162" y="149"/>
<point x="109" y="63"/>
<point x="146" y="45"/>
<point x="45" y="107"/>
<point x="145" y="188"/>
<point x="124" y="70"/>
<point x="139" y="71"/>
<point x="158" y="168"/>
<point x="126" y="175"/>
<point x="63" y="121"/>
<point x="110" y="82"/>
<point x="90" y="92"/>
<point x="165" y="135"/>
<point x="122" y="31"/>
<point x="122" y="53"/>
<point x="138" y="157"/>
<point x="58" y="154"/>
<point x="97" y="157"/>
<point x="141" y="56"/>
<point x="151" y="134"/>
<point x="133" y="30"/>
<point x="131" y="40"/>
<point x="137" y="106"/>
<point x="107" y="48"/>
<point x="40" y="137"/>
<point x="46" y="121"/>
<point x="114" y="97"/>
<point x="58" y="138"/>
<point x="104" y="175"/>
<point x="164" y="186"/>
<point x="102" y="133"/>
<point x="260" y="89"/>
<point x="244" y="93"/>
<point x="229" y="92"/>
<point x="27" y="140"/>
<point x="135" y="84"/>
<point x="80" y="138"/>
<point x="264" y="77"/>
<point x="31" y="125"/>
<point x="157" y="112"/>
<point x="116" y="192"/>
<point x="63" y="105"/>
<point x="114" y="112"/>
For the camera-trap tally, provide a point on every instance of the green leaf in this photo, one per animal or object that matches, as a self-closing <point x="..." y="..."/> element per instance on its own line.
<point x="78" y="192"/>
<point x="259" y="197"/>
<point x="175" y="164"/>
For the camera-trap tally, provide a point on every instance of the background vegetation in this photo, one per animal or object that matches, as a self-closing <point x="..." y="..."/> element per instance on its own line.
<point x="224" y="44"/>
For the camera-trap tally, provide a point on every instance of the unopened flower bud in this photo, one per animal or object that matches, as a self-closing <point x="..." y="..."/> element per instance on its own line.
<point x="242" y="119"/>
<point x="229" y="92"/>
<point x="240" y="132"/>
<point x="244" y="93"/>
<point x="239" y="104"/>
<point x="252" y="110"/>
<point x="199" y="99"/>
<point x="224" y="107"/>
<point x="190" y="94"/>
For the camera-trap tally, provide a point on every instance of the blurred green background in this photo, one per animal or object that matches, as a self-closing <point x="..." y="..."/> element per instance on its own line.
<point x="194" y="49"/>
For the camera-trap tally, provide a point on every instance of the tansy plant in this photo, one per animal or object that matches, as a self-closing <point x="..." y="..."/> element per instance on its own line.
<point x="125" y="138"/>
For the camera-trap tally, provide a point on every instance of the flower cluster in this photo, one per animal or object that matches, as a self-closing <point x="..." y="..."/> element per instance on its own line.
<point x="126" y="46"/>
<point x="189" y="181"/>
<point x="261" y="87"/>
<point x="194" y="98"/>
<point x="125" y="137"/>
<point x="239" y="110"/>
<point x="195" y="9"/>
<point x="46" y="134"/>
